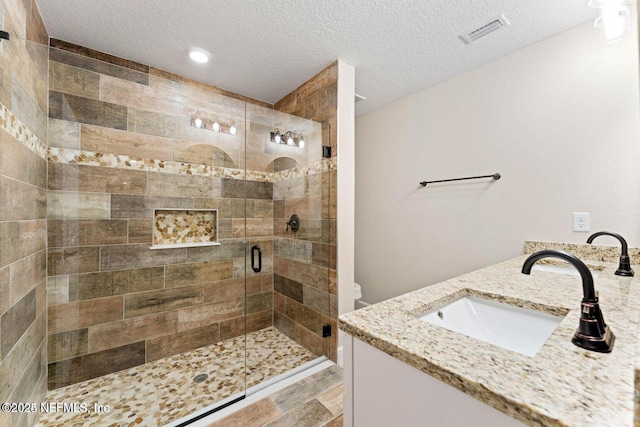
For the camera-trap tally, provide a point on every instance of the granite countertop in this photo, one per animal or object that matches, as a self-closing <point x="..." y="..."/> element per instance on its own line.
<point x="562" y="385"/>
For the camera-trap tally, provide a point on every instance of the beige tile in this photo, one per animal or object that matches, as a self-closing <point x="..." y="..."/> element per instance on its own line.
<point x="12" y="366"/>
<point x="73" y="205"/>
<point x="26" y="274"/>
<point x="257" y="414"/>
<point x="310" y="414"/>
<point x="20" y="201"/>
<point x="142" y="97"/>
<point x="78" y="315"/>
<point x="116" y="334"/>
<point x="113" y="141"/>
<point x="76" y="81"/>
<point x="307" y="389"/>
<point x="253" y="227"/>
<point x="166" y="184"/>
<point x="122" y="257"/>
<point x="16" y="321"/>
<point x="5" y="290"/>
<point x="140" y="230"/>
<point x="27" y="110"/>
<point x="332" y="399"/>
<point x="96" y="179"/>
<point x="57" y="290"/>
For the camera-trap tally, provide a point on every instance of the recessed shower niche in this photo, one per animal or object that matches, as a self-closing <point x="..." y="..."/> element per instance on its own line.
<point x="179" y="228"/>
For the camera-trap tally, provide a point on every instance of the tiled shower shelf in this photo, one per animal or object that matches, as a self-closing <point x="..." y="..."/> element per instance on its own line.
<point x="184" y="228"/>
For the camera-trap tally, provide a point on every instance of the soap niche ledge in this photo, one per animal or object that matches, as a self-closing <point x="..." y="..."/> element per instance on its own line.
<point x="184" y="228"/>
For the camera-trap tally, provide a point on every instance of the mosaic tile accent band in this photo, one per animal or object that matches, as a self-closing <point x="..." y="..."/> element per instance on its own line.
<point x="10" y="123"/>
<point x="90" y="158"/>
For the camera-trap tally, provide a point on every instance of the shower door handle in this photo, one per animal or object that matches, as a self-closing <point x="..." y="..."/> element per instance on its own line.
<point x="253" y="259"/>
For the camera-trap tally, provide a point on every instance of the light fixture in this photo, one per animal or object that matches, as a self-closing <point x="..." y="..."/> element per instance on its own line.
<point x="199" y="55"/>
<point x="613" y="19"/>
<point x="289" y="138"/>
<point x="213" y="125"/>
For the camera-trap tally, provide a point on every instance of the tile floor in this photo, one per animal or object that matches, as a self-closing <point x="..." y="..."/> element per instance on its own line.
<point x="157" y="393"/>
<point x="315" y="401"/>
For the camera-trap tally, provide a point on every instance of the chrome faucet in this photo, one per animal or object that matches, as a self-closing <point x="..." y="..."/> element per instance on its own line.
<point x="592" y="333"/>
<point x="624" y="267"/>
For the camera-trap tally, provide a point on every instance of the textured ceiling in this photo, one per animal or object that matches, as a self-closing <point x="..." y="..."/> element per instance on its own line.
<point x="265" y="49"/>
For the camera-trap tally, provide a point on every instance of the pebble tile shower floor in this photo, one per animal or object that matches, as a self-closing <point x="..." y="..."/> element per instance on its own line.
<point x="157" y="393"/>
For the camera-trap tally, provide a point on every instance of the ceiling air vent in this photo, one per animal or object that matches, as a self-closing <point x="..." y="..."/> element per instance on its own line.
<point x="487" y="28"/>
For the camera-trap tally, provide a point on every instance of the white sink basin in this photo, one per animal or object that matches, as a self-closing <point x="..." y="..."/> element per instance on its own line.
<point x="562" y="269"/>
<point x="507" y="326"/>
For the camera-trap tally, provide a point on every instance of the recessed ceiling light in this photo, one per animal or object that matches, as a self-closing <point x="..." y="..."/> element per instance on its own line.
<point x="199" y="55"/>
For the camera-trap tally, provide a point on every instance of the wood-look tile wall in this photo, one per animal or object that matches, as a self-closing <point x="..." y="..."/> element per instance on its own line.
<point x="113" y="302"/>
<point x="23" y="225"/>
<point x="305" y="296"/>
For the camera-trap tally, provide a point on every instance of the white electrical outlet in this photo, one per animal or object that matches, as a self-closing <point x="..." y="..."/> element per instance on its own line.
<point x="581" y="221"/>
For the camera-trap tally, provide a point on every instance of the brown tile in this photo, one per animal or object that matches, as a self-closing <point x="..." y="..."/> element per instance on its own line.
<point x="169" y="345"/>
<point x="130" y="206"/>
<point x="309" y="274"/>
<point x="191" y="152"/>
<point x="15" y="322"/>
<point x="26" y="274"/>
<point x="94" y="54"/>
<point x="232" y="328"/>
<point x="140" y="230"/>
<point x="288" y="287"/>
<point x="97" y="285"/>
<point x="284" y="324"/>
<point x="96" y="179"/>
<point x="146" y="279"/>
<point x="71" y="371"/>
<point x="320" y="254"/>
<point x="144" y="303"/>
<point x="256" y="414"/>
<point x="305" y="316"/>
<point x="191" y="274"/>
<point x="73" y="80"/>
<point x="316" y="299"/>
<point x="224" y="290"/>
<point x="33" y="236"/>
<point x="78" y="315"/>
<point x="259" y="320"/>
<point x="235" y="188"/>
<point x="35" y="368"/>
<point x="294" y="248"/>
<point x="207" y="314"/>
<point x="67" y="345"/>
<point x="336" y="422"/>
<point x="123" y="332"/>
<point x="151" y="123"/>
<point x="72" y="260"/>
<point x="36" y="31"/>
<point x="19" y="201"/>
<point x="252" y="227"/>
<point x="86" y="232"/>
<point x="310" y="340"/>
<point x="88" y="111"/>
<point x="122" y="257"/>
<point x="113" y="141"/>
<point x="307" y="208"/>
<point x="74" y="205"/>
<point x="259" y="302"/>
<point x="279" y="302"/>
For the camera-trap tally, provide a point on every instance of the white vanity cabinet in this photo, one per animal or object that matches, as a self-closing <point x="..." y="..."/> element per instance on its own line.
<point x="387" y="392"/>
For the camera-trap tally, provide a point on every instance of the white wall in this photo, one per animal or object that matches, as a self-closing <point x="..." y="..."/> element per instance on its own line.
<point x="559" y="120"/>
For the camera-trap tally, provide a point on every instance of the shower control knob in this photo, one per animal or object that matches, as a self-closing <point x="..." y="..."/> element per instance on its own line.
<point x="294" y="223"/>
